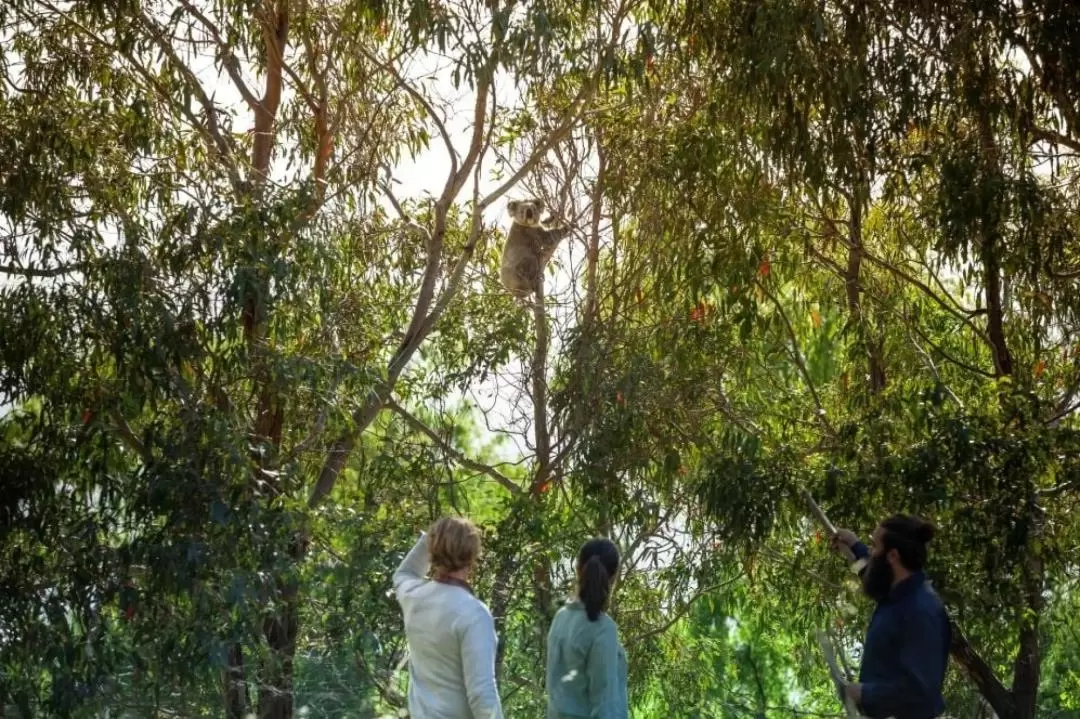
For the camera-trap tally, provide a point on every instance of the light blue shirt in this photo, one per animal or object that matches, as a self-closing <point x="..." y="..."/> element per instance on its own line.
<point x="586" y="667"/>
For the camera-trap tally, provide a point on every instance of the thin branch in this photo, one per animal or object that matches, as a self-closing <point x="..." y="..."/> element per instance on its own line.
<point x="933" y="368"/>
<point x="404" y="216"/>
<point x="1058" y="489"/>
<point x="440" y="125"/>
<point x="389" y="695"/>
<point x="45" y="273"/>
<point x="932" y="295"/>
<point x="555" y="137"/>
<point x="593" y="251"/>
<point x="945" y="291"/>
<point x="542" y="437"/>
<point x="687" y="606"/>
<point x="455" y="454"/>
<point x="230" y="61"/>
<point x="1063" y="413"/>
<point x="796" y="354"/>
<point x="949" y="356"/>
<point x="1064" y="274"/>
<point x="128" y="437"/>
<point x="157" y="35"/>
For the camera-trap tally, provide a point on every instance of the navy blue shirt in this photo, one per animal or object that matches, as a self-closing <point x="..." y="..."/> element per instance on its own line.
<point x="905" y="652"/>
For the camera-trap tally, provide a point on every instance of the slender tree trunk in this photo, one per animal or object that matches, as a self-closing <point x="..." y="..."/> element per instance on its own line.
<point x="859" y="196"/>
<point x="276" y="693"/>
<point x="541" y="570"/>
<point x="237" y="696"/>
<point x="990" y="242"/>
<point x="1025" y="688"/>
<point x="1026" y="669"/>
<point x="872" y="346"/>
<point x="515" y="522"/>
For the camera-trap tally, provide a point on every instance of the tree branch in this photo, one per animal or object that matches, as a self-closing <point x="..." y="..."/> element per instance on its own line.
<point x="455" y="181"/>
<point x="157" y="36"/>
<point x="275" y="35"/>
<point x="1055" y="138"/>
<point x="552" y="139"/>
<point x="929" y="293"/>
<point x="389" y="695"/>
<point x="440" y="125"/>
<point x="683" y="610"/>
<point x="979" y="672"/>
<point x="455" y="454"/>
<point x="43" y="273"/>
<point x="796" y="354"/>
<point x="134" y="443"/>
<point x="539" y="392"/>
<point x="229" y="59"/>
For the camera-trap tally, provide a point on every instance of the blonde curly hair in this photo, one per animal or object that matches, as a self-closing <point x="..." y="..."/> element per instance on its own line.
<point x="454" y="544"/>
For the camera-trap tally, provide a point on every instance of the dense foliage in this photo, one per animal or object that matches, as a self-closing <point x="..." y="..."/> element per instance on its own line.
<point x="252" y="340"/>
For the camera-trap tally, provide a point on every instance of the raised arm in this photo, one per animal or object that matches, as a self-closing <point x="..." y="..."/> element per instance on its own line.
<point x="478" y="644"/>
<point x="415" y="565"/>
<point x="848" y="546"/>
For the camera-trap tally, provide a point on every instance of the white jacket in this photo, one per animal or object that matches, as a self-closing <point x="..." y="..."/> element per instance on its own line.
<point x="451" y="638"/>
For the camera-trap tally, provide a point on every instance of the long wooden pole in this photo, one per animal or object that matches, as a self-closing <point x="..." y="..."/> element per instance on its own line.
<point x="816" y="510"/>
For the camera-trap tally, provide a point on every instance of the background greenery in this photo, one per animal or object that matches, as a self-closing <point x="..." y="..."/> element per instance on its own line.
<point x="253" y="340"/>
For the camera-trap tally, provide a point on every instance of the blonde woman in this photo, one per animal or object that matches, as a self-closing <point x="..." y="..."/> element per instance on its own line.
<point x="450" y="632"/>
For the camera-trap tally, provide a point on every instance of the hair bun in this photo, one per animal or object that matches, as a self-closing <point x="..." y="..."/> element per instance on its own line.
<point x="925" y="532"/>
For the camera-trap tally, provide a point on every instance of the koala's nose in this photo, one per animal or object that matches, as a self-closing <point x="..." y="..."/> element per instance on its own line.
<point x="529" y="215"/>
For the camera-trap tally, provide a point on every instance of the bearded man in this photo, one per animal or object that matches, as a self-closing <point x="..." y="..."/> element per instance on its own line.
<point x="906" y="649"/>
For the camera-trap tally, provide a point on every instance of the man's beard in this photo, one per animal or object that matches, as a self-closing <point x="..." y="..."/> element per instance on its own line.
<point x="877" y="580"/>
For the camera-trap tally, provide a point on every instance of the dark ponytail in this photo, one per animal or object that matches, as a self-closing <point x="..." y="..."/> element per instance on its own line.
<point x="597" y="565"/>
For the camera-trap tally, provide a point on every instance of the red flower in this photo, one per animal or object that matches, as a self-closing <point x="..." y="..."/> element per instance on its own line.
<point x="765" y="267"/>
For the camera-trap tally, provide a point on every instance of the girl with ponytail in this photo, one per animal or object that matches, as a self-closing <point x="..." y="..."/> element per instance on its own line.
<point x="586" y="664"/>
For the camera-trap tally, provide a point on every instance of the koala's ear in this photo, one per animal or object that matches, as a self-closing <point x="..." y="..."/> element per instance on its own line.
<point x="539" y="204"/>
<point x="512" y="205"/>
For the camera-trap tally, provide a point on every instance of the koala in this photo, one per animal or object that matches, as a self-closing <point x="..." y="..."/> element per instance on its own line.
<point x="529" y="247"/>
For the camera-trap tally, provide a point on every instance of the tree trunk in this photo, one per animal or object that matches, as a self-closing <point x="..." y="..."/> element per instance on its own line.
<point x="1026" y="669"/>
<point x="541" y="571"/>
<point x="872" y="347"/>
<point x="990" y="241"/>
<point x="236" y="692"/>
<point x="280" y="630"/>
<point x="1023" y="698"/>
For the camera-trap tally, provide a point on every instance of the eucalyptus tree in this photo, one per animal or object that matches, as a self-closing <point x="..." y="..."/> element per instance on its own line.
<point x="839" y="261"/>
<point x="208" y="274"/>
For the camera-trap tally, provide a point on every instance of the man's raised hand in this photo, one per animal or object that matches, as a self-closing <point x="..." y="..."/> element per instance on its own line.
<point x="842" y="542"/>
